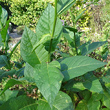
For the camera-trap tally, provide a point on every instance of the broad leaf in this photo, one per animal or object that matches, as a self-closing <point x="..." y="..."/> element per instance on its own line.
<point x="47" y="78"/>
<point x="36" y="56"/>
<point x="44" y="28"/>
<point x="78" y="65"/>
<point x="9" y="84"/>
<point x="62" y="102"/>
<point x="3" y="60"/>
<point x="18" y="103"/>
<point x="64" y="5"/>
<point x="7" y="95"/>
<point x="91" y="47"/>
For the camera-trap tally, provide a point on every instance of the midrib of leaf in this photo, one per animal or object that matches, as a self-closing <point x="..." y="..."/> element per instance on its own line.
<point x="32" y="46"/>
<point x="66" y="7"/>
<point x="82" y="66"/>
<point x="28" y="105"/>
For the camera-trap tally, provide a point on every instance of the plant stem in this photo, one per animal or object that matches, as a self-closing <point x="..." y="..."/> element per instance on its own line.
<point x="53" y="31"/>
<point x="14" y="48"/>
<point x="75" y="44"/>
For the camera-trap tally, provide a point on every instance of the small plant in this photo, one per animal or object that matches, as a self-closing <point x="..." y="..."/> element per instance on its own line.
<point x="65" y="83"/>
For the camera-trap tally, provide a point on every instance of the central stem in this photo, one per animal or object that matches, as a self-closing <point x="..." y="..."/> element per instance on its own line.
<point x="53" y="31"/>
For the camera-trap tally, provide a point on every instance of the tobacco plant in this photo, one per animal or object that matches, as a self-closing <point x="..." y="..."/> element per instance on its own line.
<point x="65" y="83"/>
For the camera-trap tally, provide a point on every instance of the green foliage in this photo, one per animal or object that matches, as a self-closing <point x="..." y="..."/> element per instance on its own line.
<point x="66" y="82"/>
<point x="26" y="12"/>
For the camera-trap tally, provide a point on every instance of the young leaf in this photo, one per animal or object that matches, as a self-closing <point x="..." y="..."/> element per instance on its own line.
<point x="45" y="26"/>
<point x="3" y="17"/>
<point x="78" y="65"/>
<point x="91" y="47"/>
<point x="64" y="5"/>
<point x="18" y="103"/>
<point x="62" y="102"/>
<point x="48" y="79"/>
<point x="4" y="31"/>
<point x="36" y="56"/>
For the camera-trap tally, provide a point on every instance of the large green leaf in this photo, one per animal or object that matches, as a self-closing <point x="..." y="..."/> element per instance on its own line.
<point x="3" y="60"/>
<point x="36" y="56"/>
<point x="64" y="5"/>
<point x="47" y="78"/>
<point x="18" y="103"/>
<point x="45" y="24"/>
<point x="44" y="28"/>
<point x="9" y="84"/>
<point x="91" y="47"/>
<point x="78" y="65"/>
<point x="7" y="95"/>
<point x="62" y="102"/>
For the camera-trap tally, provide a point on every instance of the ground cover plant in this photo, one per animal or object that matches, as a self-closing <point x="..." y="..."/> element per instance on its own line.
<point x="52" y="79"/>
